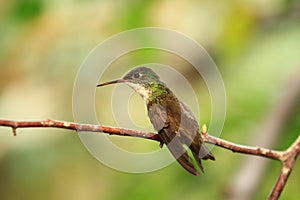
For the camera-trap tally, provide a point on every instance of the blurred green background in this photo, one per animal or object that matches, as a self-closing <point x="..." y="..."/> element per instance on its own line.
<point x="255" y="44"/>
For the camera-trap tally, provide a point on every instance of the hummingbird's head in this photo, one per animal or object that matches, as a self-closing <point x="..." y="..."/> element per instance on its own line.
<point x="141" y="76"/>
<point x="140" y="79"/>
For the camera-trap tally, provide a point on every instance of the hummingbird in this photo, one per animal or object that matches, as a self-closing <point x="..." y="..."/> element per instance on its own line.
<point x="173" y="121"/>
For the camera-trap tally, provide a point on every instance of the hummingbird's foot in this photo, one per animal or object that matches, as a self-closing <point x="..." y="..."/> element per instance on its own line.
<point x="161" y="144"/>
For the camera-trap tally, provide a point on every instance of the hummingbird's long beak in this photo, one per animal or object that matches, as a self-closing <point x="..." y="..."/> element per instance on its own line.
<point x="111" y="82"/>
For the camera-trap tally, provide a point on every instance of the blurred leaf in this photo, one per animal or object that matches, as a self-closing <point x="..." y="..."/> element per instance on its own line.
<point x="24" y="10"/>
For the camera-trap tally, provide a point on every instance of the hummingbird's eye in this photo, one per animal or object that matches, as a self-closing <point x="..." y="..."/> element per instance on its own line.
<point x="136" y="75"/>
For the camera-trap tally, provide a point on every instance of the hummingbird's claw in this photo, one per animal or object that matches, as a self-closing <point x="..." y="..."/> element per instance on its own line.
<point x="161" y="144"/>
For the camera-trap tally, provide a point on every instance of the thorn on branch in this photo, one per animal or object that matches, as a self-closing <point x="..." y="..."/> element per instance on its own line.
<point x="14" y="127"/>
<point x="14" y="130"/>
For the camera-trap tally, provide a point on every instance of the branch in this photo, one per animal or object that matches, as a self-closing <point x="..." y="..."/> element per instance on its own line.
<point x="288" y="160"/>
<point x="271" y="130"/>
<point x="287" y="157"/>
<point x="78" y="127"/>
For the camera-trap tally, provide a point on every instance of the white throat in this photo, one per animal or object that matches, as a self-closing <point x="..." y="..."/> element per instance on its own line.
<point x="140" y="90"/>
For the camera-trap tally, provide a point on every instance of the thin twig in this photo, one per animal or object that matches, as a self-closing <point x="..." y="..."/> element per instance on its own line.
<point x="287" y="157"/>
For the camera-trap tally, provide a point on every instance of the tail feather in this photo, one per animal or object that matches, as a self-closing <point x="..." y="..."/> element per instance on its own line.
<point x="205" y="154"/>
<point x="199" y="150"/>
<point x="177" y="150"/>
<point x="182" y="157"/>
<point x="197" y="158"/>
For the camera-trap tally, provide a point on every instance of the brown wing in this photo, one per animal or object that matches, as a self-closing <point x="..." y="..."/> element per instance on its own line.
<point x="158" y="116"/>
<point x="189" y="129"/>
<point x="167" y="127"/>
